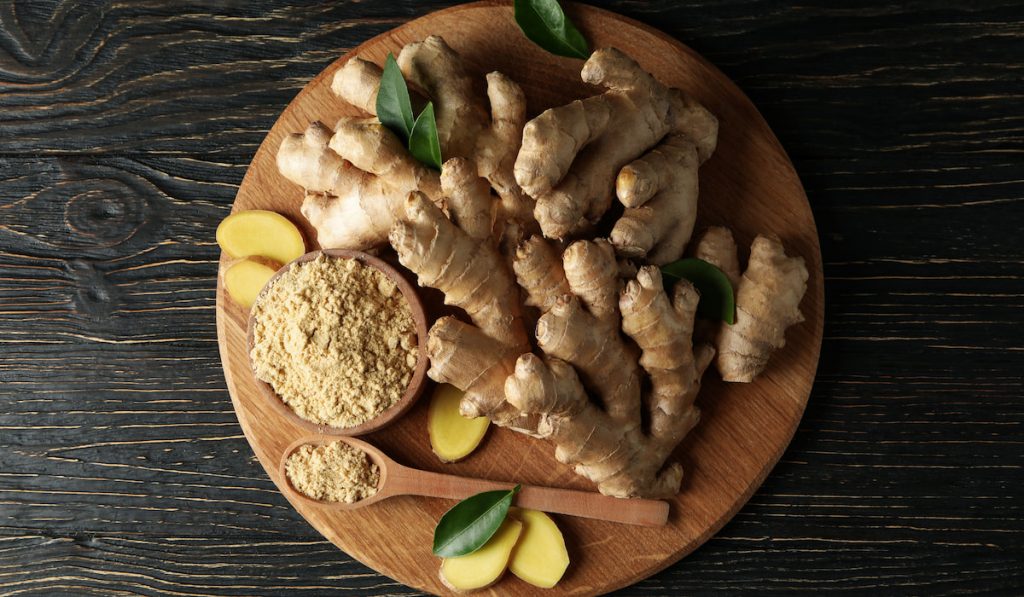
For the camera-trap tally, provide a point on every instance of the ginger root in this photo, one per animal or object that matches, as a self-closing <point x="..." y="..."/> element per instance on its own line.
<point x="358" y="175"/>
<point x="767" y="302"/>
<point x="571" y="158"/>
<point x="260" y="233"/>
<point x="475" y="277"/>
<point x="607" y="444"/>
<point x="244" y="279"/>
<point x="540" y="557"/>
<point x="659" y="191"/>
<point x="452" y="436"/>
<point x="485" y="566"/>
<point x="718" y="248"/>
<point x="352" y="197"/>
<point x="471" y="273"/>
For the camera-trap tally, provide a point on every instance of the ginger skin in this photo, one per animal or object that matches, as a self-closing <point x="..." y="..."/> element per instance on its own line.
<point x="437" y="69"/>
<point x="539" y="272"/>
<point x="592" y="139"/>
<point x="639" y="140"/>
<point x="718" y="248"/>
<point x="470" y="273"/>
<point x="767" y="302"/>
<point x="469" y="199"/>
<point x="585" y="356"/>
<point x="357" y="175"/>
<point x="357" y="82"/>
<point x="349" y="207"/>
<point x="659" y="191"/>
<point x="610" y="450"/>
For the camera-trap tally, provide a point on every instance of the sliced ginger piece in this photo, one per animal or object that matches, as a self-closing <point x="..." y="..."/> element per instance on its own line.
<point x="245" y="279"/>
<point x="540" y="557"/>
<point x="262" y="233"/>
<point x="485" y="566"/>
<point x="452" y="436"/>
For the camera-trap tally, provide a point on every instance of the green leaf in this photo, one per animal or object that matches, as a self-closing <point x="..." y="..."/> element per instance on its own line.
<point x="394" y="109"/>
<point x="716" y="293"/>
<point x="545" y="24"/>
<point x="470" y="523"/>
<point x="423" y="142"/>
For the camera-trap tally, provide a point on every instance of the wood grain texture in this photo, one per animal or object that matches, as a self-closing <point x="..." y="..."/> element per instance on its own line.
<point x="123" y="470"/>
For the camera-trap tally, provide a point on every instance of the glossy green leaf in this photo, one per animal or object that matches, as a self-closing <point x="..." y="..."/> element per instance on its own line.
<point x="716" y="293"/>
<point x="470" y="523"/>
<point x="545" y="24"/>
<point x="394" y="109"/>
<point x="423" y="142"/>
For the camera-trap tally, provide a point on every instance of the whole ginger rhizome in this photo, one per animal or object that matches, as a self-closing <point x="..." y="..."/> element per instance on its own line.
<point x="336" y="340"/>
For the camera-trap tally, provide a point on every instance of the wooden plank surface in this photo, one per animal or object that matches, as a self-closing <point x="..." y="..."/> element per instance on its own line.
<point x="126" y="127"/>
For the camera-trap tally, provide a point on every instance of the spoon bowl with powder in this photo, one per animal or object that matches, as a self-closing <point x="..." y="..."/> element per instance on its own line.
<point x="347" y="473"/>
<point x="337" y="342"/>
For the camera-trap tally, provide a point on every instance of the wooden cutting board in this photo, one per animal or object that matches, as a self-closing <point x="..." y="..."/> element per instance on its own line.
<point x="749" y="184"/>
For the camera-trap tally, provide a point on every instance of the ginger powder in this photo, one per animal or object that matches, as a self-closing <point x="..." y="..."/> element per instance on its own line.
<point x="336" y="472"/>
<point x="335" y="339"/>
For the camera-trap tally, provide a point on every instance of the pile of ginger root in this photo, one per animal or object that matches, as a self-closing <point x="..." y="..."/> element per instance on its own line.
<point x="515" y="231"/>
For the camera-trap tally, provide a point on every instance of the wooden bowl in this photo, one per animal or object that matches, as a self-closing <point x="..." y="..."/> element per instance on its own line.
<point x="419" y="375"/>
<point x="749" y="184"/>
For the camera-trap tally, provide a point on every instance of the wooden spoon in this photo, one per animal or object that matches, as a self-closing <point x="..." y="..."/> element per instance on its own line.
<point x="396" y="479"/>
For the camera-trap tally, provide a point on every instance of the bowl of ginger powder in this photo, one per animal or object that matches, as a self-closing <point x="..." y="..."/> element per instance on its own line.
<point x="334" y="341"/>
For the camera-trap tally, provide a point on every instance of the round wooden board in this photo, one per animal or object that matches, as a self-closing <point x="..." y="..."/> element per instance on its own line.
<point x="749" y="184"/>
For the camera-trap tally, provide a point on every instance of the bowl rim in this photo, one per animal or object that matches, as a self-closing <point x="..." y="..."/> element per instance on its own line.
<point x="419" y="376"/>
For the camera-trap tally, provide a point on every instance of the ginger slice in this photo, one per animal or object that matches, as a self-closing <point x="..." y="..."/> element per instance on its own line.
<point x="260" y="233"/>
<point x="244" y="279"/>
<point x="540" y="557"/>
<point x="485" y="566"/>
<point x="452" y="436"/>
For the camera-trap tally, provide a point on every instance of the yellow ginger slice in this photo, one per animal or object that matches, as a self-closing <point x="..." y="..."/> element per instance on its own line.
<point x="452" y="436"/>
<point x="260" y="233"/>
<point x="485" y="566"/>
<point x="245" y="279"/>
<point x="540" y="557"/>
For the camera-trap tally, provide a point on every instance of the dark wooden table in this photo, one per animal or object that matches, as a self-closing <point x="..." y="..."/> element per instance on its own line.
<point x="125" y="128"/>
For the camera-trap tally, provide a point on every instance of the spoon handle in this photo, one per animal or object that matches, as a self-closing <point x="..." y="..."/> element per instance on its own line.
<point x="407" y="481"/>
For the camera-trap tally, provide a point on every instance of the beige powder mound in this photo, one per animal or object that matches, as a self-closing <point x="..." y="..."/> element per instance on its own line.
<point x="336" y="472"/>
<point x="336" y="341"/>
